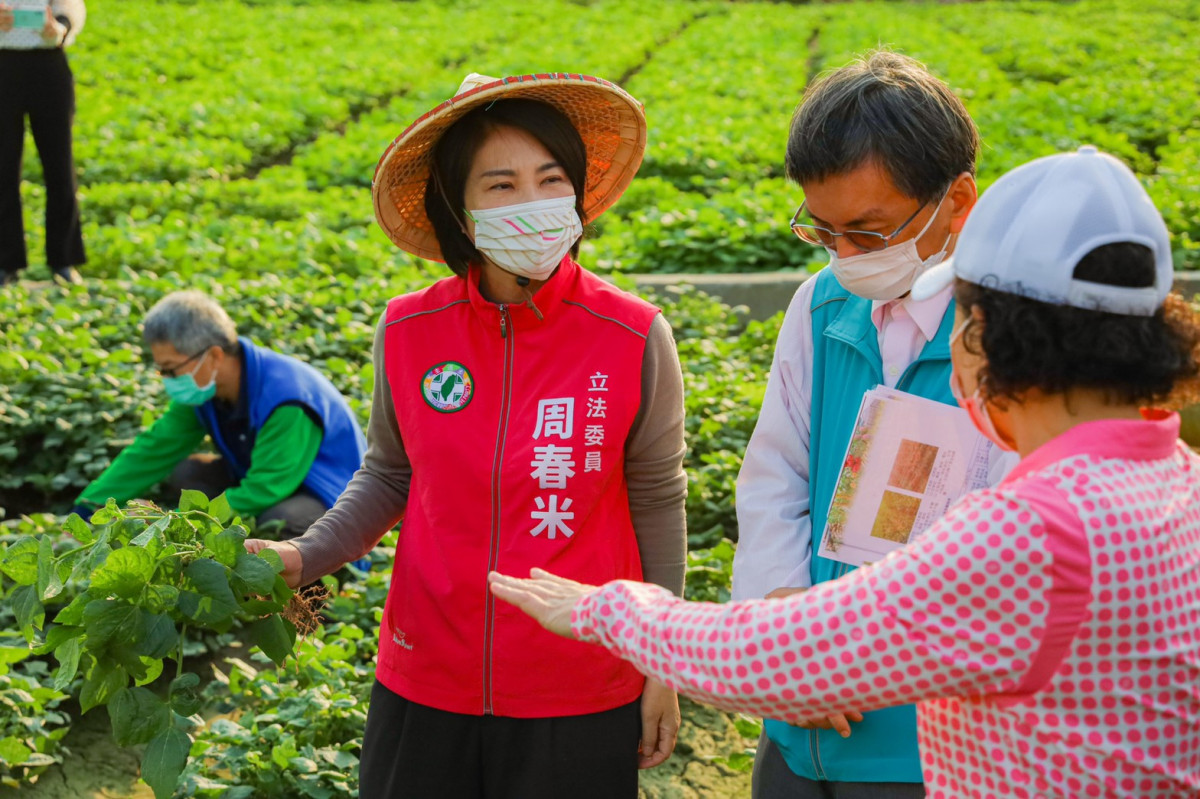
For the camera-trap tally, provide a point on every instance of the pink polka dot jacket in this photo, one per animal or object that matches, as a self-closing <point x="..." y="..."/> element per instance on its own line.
<point x="1048" y="628"/>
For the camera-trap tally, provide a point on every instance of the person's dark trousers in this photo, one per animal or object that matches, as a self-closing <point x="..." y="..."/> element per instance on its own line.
<point x="411" y="751"/>
<point x="208" y="474"/>
<point x="772" y="779"/>
<point x="38" y="84"/>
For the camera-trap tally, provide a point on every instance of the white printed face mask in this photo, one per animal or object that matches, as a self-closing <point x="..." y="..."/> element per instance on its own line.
<point x="528" y="239"/>
<point x="888" y="273"/>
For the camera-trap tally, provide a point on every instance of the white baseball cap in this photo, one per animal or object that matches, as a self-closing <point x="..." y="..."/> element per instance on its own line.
<point x="1030" y="229"/>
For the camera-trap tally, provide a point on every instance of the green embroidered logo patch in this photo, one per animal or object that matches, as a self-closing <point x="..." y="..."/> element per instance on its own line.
<point x="448" y="387"/>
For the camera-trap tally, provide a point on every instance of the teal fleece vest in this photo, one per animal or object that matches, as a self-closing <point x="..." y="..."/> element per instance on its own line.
<point x="846" y="365"/>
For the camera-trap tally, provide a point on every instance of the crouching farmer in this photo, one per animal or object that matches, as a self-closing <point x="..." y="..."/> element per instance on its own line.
<point x="286" y="441"/>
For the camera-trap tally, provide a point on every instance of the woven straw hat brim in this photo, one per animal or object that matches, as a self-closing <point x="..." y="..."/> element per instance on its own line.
<point x="609" y="120"/>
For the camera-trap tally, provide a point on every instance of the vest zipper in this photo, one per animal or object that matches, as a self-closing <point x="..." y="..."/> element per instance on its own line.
<point x="814" y="748"/>
<point x="494" y="553"/>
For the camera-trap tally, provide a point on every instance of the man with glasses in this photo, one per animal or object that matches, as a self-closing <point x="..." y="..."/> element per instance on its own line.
<point x="885" y="156"/>
<point x="286" y="441"/>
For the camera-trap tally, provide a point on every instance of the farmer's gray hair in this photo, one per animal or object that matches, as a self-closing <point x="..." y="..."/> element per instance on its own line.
<point x="889" y="109"/>
<point x="191" y="322"/>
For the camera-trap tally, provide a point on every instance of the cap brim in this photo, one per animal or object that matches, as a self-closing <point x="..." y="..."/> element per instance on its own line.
<point x="934" y="280"/>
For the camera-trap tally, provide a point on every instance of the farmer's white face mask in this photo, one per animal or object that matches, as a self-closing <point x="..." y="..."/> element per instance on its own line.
<point x="888" y="273"/>
<point x="528" y="239"/>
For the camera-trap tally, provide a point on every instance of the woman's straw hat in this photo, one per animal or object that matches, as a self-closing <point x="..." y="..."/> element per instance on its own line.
<point x="609" y="120"/>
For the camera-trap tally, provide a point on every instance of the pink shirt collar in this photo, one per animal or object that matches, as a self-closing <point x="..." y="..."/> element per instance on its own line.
<point x="1148" y="439"/>
<point x="927" y="314"/>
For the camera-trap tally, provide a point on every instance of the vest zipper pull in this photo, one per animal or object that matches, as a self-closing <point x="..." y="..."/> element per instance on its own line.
<point x="503" y="326"/>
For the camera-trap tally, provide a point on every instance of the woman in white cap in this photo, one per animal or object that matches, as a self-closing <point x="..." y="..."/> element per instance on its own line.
<point x="1047" y="628"/>
<point x="525" y="413"/>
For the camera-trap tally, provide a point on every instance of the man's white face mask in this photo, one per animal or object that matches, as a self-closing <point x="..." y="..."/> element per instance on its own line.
<point x="888" y="273"/>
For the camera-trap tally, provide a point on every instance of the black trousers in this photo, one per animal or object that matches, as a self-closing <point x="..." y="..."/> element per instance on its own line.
<point x="411" y="751"/>
<point x="209" y="474"/>
<point x="38" y="84"/>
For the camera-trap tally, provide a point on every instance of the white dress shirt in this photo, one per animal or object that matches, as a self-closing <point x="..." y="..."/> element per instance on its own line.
<point x="774" y="529"/>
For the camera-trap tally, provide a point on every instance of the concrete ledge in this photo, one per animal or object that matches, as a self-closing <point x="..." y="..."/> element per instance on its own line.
<point x="767" y="293"/>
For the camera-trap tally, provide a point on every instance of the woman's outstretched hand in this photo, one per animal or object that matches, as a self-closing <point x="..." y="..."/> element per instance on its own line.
<point x="546" y="597"/>
<point x="293" y="563"/>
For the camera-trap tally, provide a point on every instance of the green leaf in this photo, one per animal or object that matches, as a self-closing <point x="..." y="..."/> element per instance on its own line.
<point x="136" y="666"/>
<point x="748" y="727"/>
<point x="137" y="715"/>
<point x="272" y="558"/>
<point x="161" y="637"/>
<point x="125" y="573"/>
<point x="94" y="559"/>
<point x="20" y="561"/>
<point x="80" y="530"/>
<point x="105" y="679"/>
<point x="67" y="655"/>
<point x="152" y="670"/>
<point x="110" y="621"/>
<point x="238" y="792"/>
<point x="31" y="614"/>
<point x="72" y="614"/>
<point x="58" y="635"/>
<point x="160" y="598"/>
<point x="221" y="509"/>
<point x="256" y="574"/>
<point x="13" y="654"/>
<point x="13" y="752"/>
<point x="153" y="538"/>
<point x="212" y="601"/>
<point x="303" y="765"/>
<point x="226" y="545"/>
<point x="274" y="635"/>
<point x="284" y="752"/>
<point x="184" y="696"/>
<point x="192" y="500"/>
<point x="164" y="760"/>
<point x="49" y="584"/>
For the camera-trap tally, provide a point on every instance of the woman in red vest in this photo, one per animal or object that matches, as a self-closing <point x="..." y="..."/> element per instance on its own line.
<point x="525" y="414"/>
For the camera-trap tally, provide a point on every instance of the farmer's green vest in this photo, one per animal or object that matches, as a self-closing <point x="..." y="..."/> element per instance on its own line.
<point x="846" y="365"/>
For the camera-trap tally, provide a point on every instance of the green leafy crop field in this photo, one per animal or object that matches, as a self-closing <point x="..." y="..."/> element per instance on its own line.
<point x="229" y="146"/>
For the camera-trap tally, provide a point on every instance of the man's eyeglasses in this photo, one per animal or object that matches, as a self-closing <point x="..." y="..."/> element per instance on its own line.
<point x="808" y="231"/>
<point x="173" y="371"/>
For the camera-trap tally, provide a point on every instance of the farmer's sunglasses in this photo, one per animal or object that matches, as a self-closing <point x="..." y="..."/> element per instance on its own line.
<point x="807" y="231"/>
<point x="173" y="371"/>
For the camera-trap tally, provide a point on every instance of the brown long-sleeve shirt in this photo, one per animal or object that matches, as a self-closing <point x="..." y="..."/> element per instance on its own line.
<point x="376" y="497"/>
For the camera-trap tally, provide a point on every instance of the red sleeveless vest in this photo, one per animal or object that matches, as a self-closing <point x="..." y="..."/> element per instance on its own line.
<point x="516" y="429"/>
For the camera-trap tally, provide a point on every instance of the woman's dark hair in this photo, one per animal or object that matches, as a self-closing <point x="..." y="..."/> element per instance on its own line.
<point x="454" y="154"/>
<point x="1055" y="348"/>
<point x="889" y="109"/>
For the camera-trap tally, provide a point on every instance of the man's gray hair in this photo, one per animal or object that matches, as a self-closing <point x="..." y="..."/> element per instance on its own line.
<point x="191" y="322"/>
